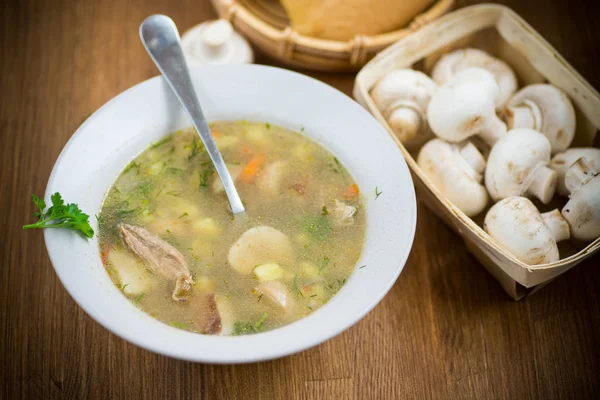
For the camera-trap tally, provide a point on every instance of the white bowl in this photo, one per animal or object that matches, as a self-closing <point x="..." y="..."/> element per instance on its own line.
<point x="117" y="132"/>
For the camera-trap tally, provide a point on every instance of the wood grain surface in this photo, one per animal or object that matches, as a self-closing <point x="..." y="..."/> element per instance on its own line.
<point x="445" y="330"/>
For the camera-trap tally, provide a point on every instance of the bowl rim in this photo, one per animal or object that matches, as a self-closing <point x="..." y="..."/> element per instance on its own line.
<point x="288" y="330"/>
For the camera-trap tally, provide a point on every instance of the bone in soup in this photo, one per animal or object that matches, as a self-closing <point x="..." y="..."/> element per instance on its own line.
<point x="170" y="244"/>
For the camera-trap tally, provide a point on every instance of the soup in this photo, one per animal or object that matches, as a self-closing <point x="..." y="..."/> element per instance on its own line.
<point x="170" y="243"/>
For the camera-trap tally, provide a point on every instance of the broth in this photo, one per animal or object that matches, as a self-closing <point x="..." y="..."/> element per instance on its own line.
<point x="170" y="244"/>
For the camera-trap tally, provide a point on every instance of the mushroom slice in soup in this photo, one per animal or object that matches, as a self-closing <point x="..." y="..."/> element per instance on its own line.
<point x="260" y="245"/>
<point x="276" y="292"/>
<point x="161" y="257"/>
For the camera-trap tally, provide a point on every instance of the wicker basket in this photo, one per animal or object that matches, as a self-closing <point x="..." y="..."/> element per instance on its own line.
<point x="265" y="24"/>
<point x="502" y="33"/>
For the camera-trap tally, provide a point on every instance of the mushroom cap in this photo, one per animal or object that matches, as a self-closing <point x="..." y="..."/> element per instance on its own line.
<point x="514" y="162"/>
<point x="458" y="60"/>
<point x="582" y="211"/>
<point x="555" y="109"/>
<point x="403" y="96"/>
<point x="464" y="106"/>
<point x="260" y="245"/>
<point x="563" y="161"/>
<point x="453" y="176"/>
<point x="515" y="224"/>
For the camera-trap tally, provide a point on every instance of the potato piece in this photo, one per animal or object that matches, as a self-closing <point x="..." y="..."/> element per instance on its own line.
<point x="226" y="313"/>
<point x="309" y="269"/>
<point x="204" y="284"/>
<point x="268" y="272"/>
<point x="207" y="227"/>
<point x="131" y="272"/>
<point x="226" y="141"/>
<point x="260" y="245"/>
<point x="256" y="133"/>
<point x="234" y="171"/>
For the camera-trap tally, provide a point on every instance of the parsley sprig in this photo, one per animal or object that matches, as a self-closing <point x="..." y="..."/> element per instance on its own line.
<point x="60" y="215"/>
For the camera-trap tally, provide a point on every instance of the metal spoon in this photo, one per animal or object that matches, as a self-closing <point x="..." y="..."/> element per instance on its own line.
<point x="161" y="39"/>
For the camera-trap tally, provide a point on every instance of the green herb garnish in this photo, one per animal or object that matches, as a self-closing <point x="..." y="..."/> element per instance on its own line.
<point x="162" y="141"/>
<point x="295" y="286"/>
<point x="183" y="215"/>
<point x="339" y="168"/>
<point x="131" y="166"/>
<point x="324" y="211"/>
<point x="60" y="215"/>
<point x="245" y="328"/>
<point x="140" y="297"/>
<point x="317" y="227"/>
<point x="179" y="325"/>
<point x="197" y="147"/>
<point x="204" y="175"/>
<point x="377" y="193"/>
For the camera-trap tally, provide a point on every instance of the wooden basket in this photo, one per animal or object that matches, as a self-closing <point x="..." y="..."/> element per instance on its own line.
<point x="265" y="24"/>
<point x="502" y="33"/>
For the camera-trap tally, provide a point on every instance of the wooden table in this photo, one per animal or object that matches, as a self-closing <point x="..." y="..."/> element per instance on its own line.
<point x="446" y="329"/>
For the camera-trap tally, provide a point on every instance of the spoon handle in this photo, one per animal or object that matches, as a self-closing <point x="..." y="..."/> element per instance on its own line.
<point x="161" y="39"/>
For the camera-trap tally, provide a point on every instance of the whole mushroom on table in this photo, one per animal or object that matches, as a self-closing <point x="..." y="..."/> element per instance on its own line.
<point x="494" y="140"/>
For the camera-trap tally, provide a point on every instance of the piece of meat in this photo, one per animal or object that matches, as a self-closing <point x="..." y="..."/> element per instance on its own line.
<point x="343" y="214"/>
<point x="209" y="319"/>
<point x="162" y="258"/>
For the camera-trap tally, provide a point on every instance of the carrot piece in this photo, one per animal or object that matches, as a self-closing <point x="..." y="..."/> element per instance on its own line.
<point x="351" y="192"/>
<point x="104" y="253"/>
<point x="251" y="169"/>
<point x="215" y="134"/>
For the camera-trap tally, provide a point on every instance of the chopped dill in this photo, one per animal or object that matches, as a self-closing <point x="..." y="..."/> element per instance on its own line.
<point x="162" y="141"/>
<point x="183" y="215"/>
<point x="377" y="193"/>
<point x="140" y="297"/>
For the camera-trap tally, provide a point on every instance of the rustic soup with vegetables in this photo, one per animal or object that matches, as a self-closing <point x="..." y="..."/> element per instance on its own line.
<point x="171" y="245"/>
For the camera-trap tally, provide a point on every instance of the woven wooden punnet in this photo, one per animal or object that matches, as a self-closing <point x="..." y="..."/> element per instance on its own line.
<point x="502" y="33"/>
<point x="265" y="24"/>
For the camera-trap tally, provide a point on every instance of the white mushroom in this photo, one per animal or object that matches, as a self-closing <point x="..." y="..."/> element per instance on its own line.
<point x="515" y="224"/>
<point x="458" y="60"/>
<point x="562" y="161"/>
<point x="343" y="214"/>
<point x="517" y="166"/>
<point x="277" y="292"/>
<point x="402" y="96"/>
<point x="582" y="211"/>
<point x="544" y="108"/>
<point x="455" y="169"/>
<point x="465" y="106"/>
<point x="260" y="245"/>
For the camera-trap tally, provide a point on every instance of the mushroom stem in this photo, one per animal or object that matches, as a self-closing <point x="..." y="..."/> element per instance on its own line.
<point x="405" y="119"/>
<point x="525" y="115"/>
<point x="473" y="157"/>
<point x="557" y="225"/>
<point x="543" y="184"/>
<point x="580" y="173"/>
<point x="493" y="130"/>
